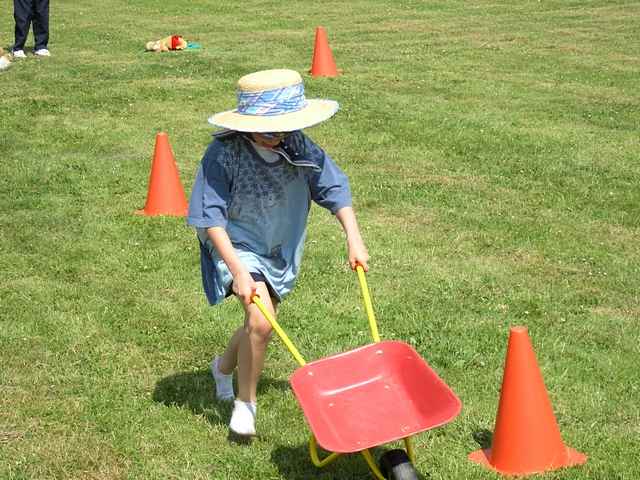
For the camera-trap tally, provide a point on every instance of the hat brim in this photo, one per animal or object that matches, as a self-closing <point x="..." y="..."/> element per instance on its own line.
<point x="314" y="112"/>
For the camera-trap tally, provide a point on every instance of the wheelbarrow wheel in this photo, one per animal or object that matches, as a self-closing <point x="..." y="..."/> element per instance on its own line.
<point x="395" y="465"/>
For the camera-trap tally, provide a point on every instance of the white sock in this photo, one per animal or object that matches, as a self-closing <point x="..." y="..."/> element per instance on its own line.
<point x="224" y="383"/>
<point x="243" y="418"/>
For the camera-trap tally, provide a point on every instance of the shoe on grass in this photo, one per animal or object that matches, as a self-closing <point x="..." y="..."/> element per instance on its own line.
<point x="42" y="52"/>
<point x="243" y="418"/>
<point x="19" y="54"/>
<point x="224" y="383"/>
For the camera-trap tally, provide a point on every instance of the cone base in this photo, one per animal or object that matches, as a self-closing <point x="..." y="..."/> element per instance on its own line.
<point x="147" y="213"/>
<point x="329" y="74"/>
<point x="482" y="457"/>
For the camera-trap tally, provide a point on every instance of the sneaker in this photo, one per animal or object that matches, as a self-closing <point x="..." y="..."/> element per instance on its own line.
<point x="243" y="418"/>
<point x="224" y="383"/>
<point x="19" y="54"/>
<point x="42" y="52"/>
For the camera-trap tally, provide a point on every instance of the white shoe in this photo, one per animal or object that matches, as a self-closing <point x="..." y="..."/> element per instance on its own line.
<point x="243" y="418"/>
<point x="42" y="52"/>
<point x="224" y="383"/>
<point x="19" y="54"/>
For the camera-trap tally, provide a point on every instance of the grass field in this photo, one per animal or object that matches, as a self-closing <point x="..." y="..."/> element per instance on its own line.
<point x="493" y="151"/>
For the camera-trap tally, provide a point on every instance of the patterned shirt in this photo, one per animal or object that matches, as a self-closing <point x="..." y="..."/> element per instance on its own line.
<point x="263" y="206"/>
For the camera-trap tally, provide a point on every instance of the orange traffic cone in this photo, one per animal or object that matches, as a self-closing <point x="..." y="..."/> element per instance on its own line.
<point x="165" y="196"/>
<point x="323" y="64"/>
<point x="526" y="439"/>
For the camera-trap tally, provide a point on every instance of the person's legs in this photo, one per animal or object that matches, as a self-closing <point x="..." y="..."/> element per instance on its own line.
<point x="246" y="350"/>
<point x="222" y="367"/>
<point x="41" y="24"/>
<point x="248" y="346"/>
<point x="229" y="359"/>
<point x="22" y="14"/>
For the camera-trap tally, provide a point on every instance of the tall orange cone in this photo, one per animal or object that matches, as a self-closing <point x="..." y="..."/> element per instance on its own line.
<point x="526" y="439"/>
<point x="165" y="195"/>
<point x="323" y="64"/>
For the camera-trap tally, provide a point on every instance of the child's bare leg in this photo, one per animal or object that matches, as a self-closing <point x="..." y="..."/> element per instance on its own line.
<point x="229" y="359"/>
<point x="252" y="346"/>
<point x="252" y="337"/>
<point x="222" y="367"/>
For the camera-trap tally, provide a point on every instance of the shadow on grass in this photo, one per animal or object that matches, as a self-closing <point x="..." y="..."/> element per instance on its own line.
<point x="483" y="438"/>
<point x="195" y="391"/>
<point x="294" y="463"/>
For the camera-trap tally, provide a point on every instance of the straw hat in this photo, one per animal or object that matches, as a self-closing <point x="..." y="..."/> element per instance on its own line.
<point x="274" y="101"/>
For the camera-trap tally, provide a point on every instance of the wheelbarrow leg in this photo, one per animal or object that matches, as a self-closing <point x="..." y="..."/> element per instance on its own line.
<point x="313" y="453"/>
<point x="372" y="464"/>
<point x="409" y="447"/>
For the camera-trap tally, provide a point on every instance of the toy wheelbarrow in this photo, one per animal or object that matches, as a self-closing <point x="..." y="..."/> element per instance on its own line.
<point x="368" y="397"/>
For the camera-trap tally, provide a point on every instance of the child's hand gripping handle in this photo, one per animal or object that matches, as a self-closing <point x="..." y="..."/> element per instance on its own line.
<point x="373" y="326"/>
<point x="276" y="326"/>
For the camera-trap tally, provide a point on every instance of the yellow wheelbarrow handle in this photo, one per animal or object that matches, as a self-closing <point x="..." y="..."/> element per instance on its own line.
<point x="289" y="344"/>
<point x="364" y="288"/>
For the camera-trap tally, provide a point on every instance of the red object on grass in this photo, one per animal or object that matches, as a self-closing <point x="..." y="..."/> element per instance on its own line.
<point x="322" y="63"/>
<point x="175" y="41"/>
<point x="372" y="395"/>
<point x="526" y="439"/>
<point x="165" y="194"/>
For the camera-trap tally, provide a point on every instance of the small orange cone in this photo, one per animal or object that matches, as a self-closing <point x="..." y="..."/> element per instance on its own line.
<point x="323" y="64"/>
<point x="526" y="438"/>
<point x="166" y="195"/>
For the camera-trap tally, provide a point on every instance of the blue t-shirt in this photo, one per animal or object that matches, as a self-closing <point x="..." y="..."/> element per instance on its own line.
<point x="263" y="206"/>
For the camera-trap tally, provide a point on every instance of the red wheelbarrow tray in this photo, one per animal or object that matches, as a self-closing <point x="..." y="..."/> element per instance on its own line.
<point x="372" y="395"/>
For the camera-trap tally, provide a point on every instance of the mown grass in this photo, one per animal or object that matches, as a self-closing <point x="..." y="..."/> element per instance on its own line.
<point x="493" y="154"/>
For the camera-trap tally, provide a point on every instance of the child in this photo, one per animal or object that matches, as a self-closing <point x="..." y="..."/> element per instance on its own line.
<point x="250" y="203"/>
<point x="24" y="13"/>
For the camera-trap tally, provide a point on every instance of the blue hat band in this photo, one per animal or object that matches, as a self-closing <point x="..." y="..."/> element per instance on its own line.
<point x="272" y="102"/>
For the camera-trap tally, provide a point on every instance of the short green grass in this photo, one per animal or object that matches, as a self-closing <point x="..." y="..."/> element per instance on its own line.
<point x="493" y="152"/>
